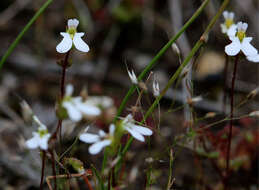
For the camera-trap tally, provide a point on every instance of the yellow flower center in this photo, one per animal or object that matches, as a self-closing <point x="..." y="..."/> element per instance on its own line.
<point x="71" y="31"/>
<point x="229" y="23"/>
<point x="241" y="35"/>
<point x="42" y="133"/>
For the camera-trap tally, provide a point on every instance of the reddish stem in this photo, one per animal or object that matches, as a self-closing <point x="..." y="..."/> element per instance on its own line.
<point x="231" y="117"/>
<point x="53" y="168"/>
<point x="225" y="84"/>
<point x="87" y="182"/>
<point x="42" y="169"/>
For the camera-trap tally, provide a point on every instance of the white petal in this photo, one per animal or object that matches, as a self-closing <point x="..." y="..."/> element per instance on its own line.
<point x="247" y="48"/>
<point x="239" y="26"/>
<point x="223" y="28"/>
<point x="111" y="129"/>
<point x="79" y="43"/>
<point x="232" y="30"/>
<point x="233" y="48"/>
<point x="102" y="133"/>
<point x="69" y="90"/>
<point x="231" y="15"/>
<point x="73" y="113"/>
<point x="66" y="44"/>
<point x="142" y="130"/>
<point x="72" y="23"/>
<point x="44" y="142"/>
<point x="244" y="26"/>
<point x="253" y="58"/>
<point x="88" y="109"/>
<point x="89" y="138"/>
<point x="225" y="14"/>
<point x="97" y="147"/>
<point x="33" y="142"/>
<point x="135" y="134"/>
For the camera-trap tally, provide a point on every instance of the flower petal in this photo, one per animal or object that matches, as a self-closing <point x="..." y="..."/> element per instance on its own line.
<point x="135" y="134"/>
<point x="43" y="142"/>
<point x="89" y="138"/>
<point x="142" y="130"/>
<point x="247" y="48"/>
<point x="72" y="23"/>
<point x="87" y="109"/>
<point x="253" y="58"/>
<point x="79" y="43"/>
<point x="233" y="48"/>
<point x="98" y="146"/>
<point x="111" y="129"/>
<point x="232" y="30"/>
<point x="69" y="90"/>
<point x="73" y="113"/>
<point x="33" y="142"/>
<point x="66" y="44"/>
<point x="223" y="28"/>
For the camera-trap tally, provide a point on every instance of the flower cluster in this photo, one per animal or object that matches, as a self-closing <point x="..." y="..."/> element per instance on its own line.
<point x="239" y="41"/>
<point x="102" y="139"/>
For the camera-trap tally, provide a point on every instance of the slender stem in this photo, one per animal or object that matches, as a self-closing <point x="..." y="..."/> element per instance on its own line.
<point x="42" y="169"/>
<point x="53" y="168"/>
<point x="158" y="56"/>
<point x="225" y="83"/>
<point x="87" y="182"/>
<point x="196" y="47"/>
<point x="231" y="116"/>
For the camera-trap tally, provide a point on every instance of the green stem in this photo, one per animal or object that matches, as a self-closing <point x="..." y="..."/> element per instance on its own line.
<point x="196" y="47"/>
<point x="19" y="37"/>
<point x="158" y="56"/>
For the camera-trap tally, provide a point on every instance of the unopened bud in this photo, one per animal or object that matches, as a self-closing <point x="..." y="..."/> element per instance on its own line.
<point x="176" y="49"/>
<point x="132" y="77"/>
<point x="210" y="115"/>
<point x="254" y="114"/>
<point x="156" y="89"/>
<point x="84" y="93"/>
<point x="253" y="93"/>
<point x="194" y="100"/>
<point x="27" y="112"/>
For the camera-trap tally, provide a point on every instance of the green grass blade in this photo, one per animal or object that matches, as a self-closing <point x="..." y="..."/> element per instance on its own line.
<point x="19" y="37"/>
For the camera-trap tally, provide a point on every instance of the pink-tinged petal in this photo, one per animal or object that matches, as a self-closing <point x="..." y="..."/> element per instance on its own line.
<point x="89" y="138"/>
<point x="66" y="44"/>
<point x="79" y="43"/>
<point x="135" y="134"/>
<point x="142" y="130"/>
<point x="247" y="48"/>
<point x="98" y="146"/>
<point x="73" y="113"/>
<point x="233" y="48"/>
<point x="253" y="58"/>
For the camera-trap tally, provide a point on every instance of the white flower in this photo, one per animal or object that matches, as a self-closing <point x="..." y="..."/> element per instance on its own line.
<point x="99" y="140"/>
<point x="228" y="27"/>
<point x="100" y="101"/>
<point x="240" y="42"/>
<point x="133" y="77"/>
<point x="156" y="90"/>
<point x="137" y="131"/>
<point x="75" y="106"/>
<point x="40" y="138"/>
<point x="70" y="37"/>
